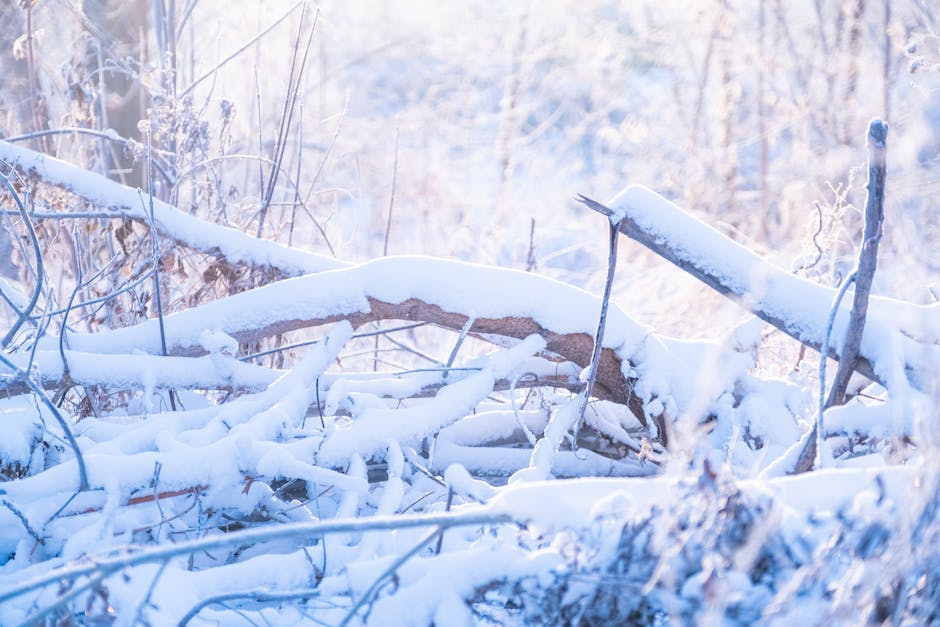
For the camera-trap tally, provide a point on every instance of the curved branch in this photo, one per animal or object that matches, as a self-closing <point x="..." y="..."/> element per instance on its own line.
<point x="37" y="290"/>
<point x="108" y="564"/>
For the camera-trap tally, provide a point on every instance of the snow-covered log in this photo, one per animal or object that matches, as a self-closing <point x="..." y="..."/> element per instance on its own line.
<point x="502" y="302"/>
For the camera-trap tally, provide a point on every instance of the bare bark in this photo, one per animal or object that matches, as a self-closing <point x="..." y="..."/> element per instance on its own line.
<point x="611" y="385"/>
<point x="867" y="260"/>
<point x="360" y="307"/>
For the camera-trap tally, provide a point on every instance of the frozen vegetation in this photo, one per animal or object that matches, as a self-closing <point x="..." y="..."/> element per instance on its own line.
<point x="300" y="309"/>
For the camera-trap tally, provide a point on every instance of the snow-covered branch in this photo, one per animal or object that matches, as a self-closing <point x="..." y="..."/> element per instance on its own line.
<point x="503" y="302"/>
<point x="298" y="532"/>
<point x="794" y="305"/>
<point x="100" y="192"/>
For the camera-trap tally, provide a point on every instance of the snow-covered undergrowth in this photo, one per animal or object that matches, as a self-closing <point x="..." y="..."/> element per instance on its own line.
<point x="220" y="482"/>
<point x="208" y="418"/>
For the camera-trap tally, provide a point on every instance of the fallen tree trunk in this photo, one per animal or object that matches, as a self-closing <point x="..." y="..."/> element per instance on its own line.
<point x="506" y="303"/>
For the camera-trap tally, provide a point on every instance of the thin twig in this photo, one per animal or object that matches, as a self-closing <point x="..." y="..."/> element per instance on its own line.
<point x="241" y="49"/>
<point x="447" y="506"/>
<point x="155" y="241"/>
<point x="145" y="602"/>
<point x="38" y="391"/>
<point x="40" y="272"/>
<point x="515" y="410"/>
<point x="812" y="450"/>
<point x="299" y="169"/>
<point x="614" y="235"/>
<point x="460" y="338"/>
<point x="356" y="336"/>
<point x="530" y="262"/>
<point x="25" y="521"/>
<point x="36" y="619"/>
<point x="33" y="78"/>
<point x="65" y="317"/>
<point x="257" y="596"/>
<point x="367" y="595"/>
<point x="391" y="197"/>
<point x="290" y="102"/>
<point x="107" y="564"/>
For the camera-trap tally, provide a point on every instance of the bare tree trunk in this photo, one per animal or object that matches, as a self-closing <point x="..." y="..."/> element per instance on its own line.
<point x="851" y="88"/>
<point x="765" y="218"/>
<point x="886" y="69"/>
<point x="118" y="30"/>
<point x="730" y="97"/>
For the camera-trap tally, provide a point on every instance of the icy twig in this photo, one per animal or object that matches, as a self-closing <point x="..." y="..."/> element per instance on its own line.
<point x="812" y="449"/>
<point x="614" y="236"/>
<point x="44" y="398"/>
<point x="65" y="598"/>
<point x="105" y="565"/>
<point x="24" y="313"/>
<point x="241" y="49"/>
<point x="257" y="596"/>
<point x="155" y="244"/>
<point x="391" y="197"/>
<point x="145" y="602"/>
<point x="388" y="573"/>
<point x="290" y="102"/>
<point x="25" y="521"/>
<point x="460" y="338"/>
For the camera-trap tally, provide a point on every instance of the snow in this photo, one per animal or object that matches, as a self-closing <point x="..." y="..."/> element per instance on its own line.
<point x="136" y="371"/>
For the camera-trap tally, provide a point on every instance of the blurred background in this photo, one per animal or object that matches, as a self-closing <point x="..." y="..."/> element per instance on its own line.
<point x="477" y="123"/>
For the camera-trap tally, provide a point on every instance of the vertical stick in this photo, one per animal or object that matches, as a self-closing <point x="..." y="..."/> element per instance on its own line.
<point x="762" y="115"/>
<point x="391" y="198"/>
<point x="867" y="260"/>
<point x="886" y="67"/>
<point x="34" y="97"/>
<point x="601" y="325"/>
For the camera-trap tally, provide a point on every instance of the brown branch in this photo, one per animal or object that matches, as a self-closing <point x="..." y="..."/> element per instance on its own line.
<point x="611" y="385"/>
<point x="506" y="303"/>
